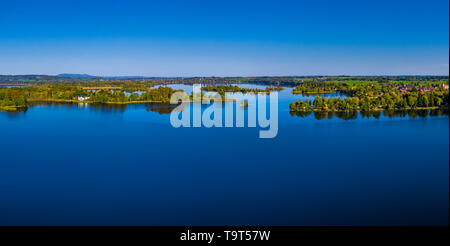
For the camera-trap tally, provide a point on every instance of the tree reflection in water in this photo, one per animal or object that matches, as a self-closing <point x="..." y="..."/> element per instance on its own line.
<point x="165" y="108"/>
<point x="353" y="115"/>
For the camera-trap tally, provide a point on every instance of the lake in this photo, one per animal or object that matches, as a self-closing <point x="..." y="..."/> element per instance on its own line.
<point x="69" y="164"/>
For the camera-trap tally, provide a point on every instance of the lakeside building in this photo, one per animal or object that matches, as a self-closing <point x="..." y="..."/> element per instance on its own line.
<point x="83" y="98"/>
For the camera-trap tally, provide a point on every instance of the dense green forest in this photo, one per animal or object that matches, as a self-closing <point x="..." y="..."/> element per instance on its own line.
<point x="320" y="87"/>
<point x="369" y="99"/>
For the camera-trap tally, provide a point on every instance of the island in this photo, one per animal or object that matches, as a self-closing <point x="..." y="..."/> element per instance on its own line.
<point x="372" y="96"/>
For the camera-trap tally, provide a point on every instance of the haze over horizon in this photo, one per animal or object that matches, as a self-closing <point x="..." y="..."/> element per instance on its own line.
<point x="224" y="39"/>
<point x="74" y="75"/>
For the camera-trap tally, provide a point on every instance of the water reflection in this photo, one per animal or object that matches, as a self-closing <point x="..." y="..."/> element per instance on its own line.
<point x="97" y="107"/>
<point x="14" y="115"/>
<point x="163" y="108"/>
<point x="347" y="115"/>
<point x="106" y="108"/>
<point x="11" y="86"/>
<point x="168" y="108"/>
<point x="353" y="115"/>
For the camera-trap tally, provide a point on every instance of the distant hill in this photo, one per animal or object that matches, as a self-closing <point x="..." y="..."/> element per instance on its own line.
<point x="37" y="78"/>
<point x="32" y="78"/>
<point x="127" y="77"/>
<point x="76" y="76"/>
<point x="87" y="76"/>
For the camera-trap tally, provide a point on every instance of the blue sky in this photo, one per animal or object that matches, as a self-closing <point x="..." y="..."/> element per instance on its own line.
<point x="224" y="38"/>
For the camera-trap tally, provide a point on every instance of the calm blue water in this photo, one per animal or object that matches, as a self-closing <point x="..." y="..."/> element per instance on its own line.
<point x="126" y="165"/>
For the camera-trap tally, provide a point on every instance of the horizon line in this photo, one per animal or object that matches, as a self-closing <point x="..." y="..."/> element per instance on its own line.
<point x="239" y="76"/>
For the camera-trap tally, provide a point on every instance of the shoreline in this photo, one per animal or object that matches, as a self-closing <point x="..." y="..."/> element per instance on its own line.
<point x="17" y="108"/>
<point x="371" y="110"/>
<point x="12" y="108"/>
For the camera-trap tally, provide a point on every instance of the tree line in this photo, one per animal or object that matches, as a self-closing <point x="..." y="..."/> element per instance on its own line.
<point x="17" y="97"/>
<point x="363" y="100"/>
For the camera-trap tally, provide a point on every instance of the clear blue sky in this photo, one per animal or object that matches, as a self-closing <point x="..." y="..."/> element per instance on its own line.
<point x="224" y="38"/>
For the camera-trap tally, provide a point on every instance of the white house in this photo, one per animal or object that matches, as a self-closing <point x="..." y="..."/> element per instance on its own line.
<point x="83" y="98"/>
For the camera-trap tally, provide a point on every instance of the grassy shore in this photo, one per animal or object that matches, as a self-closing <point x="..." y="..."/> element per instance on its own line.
<point x="11" y="108"/>
<point x="313" y="92"/>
